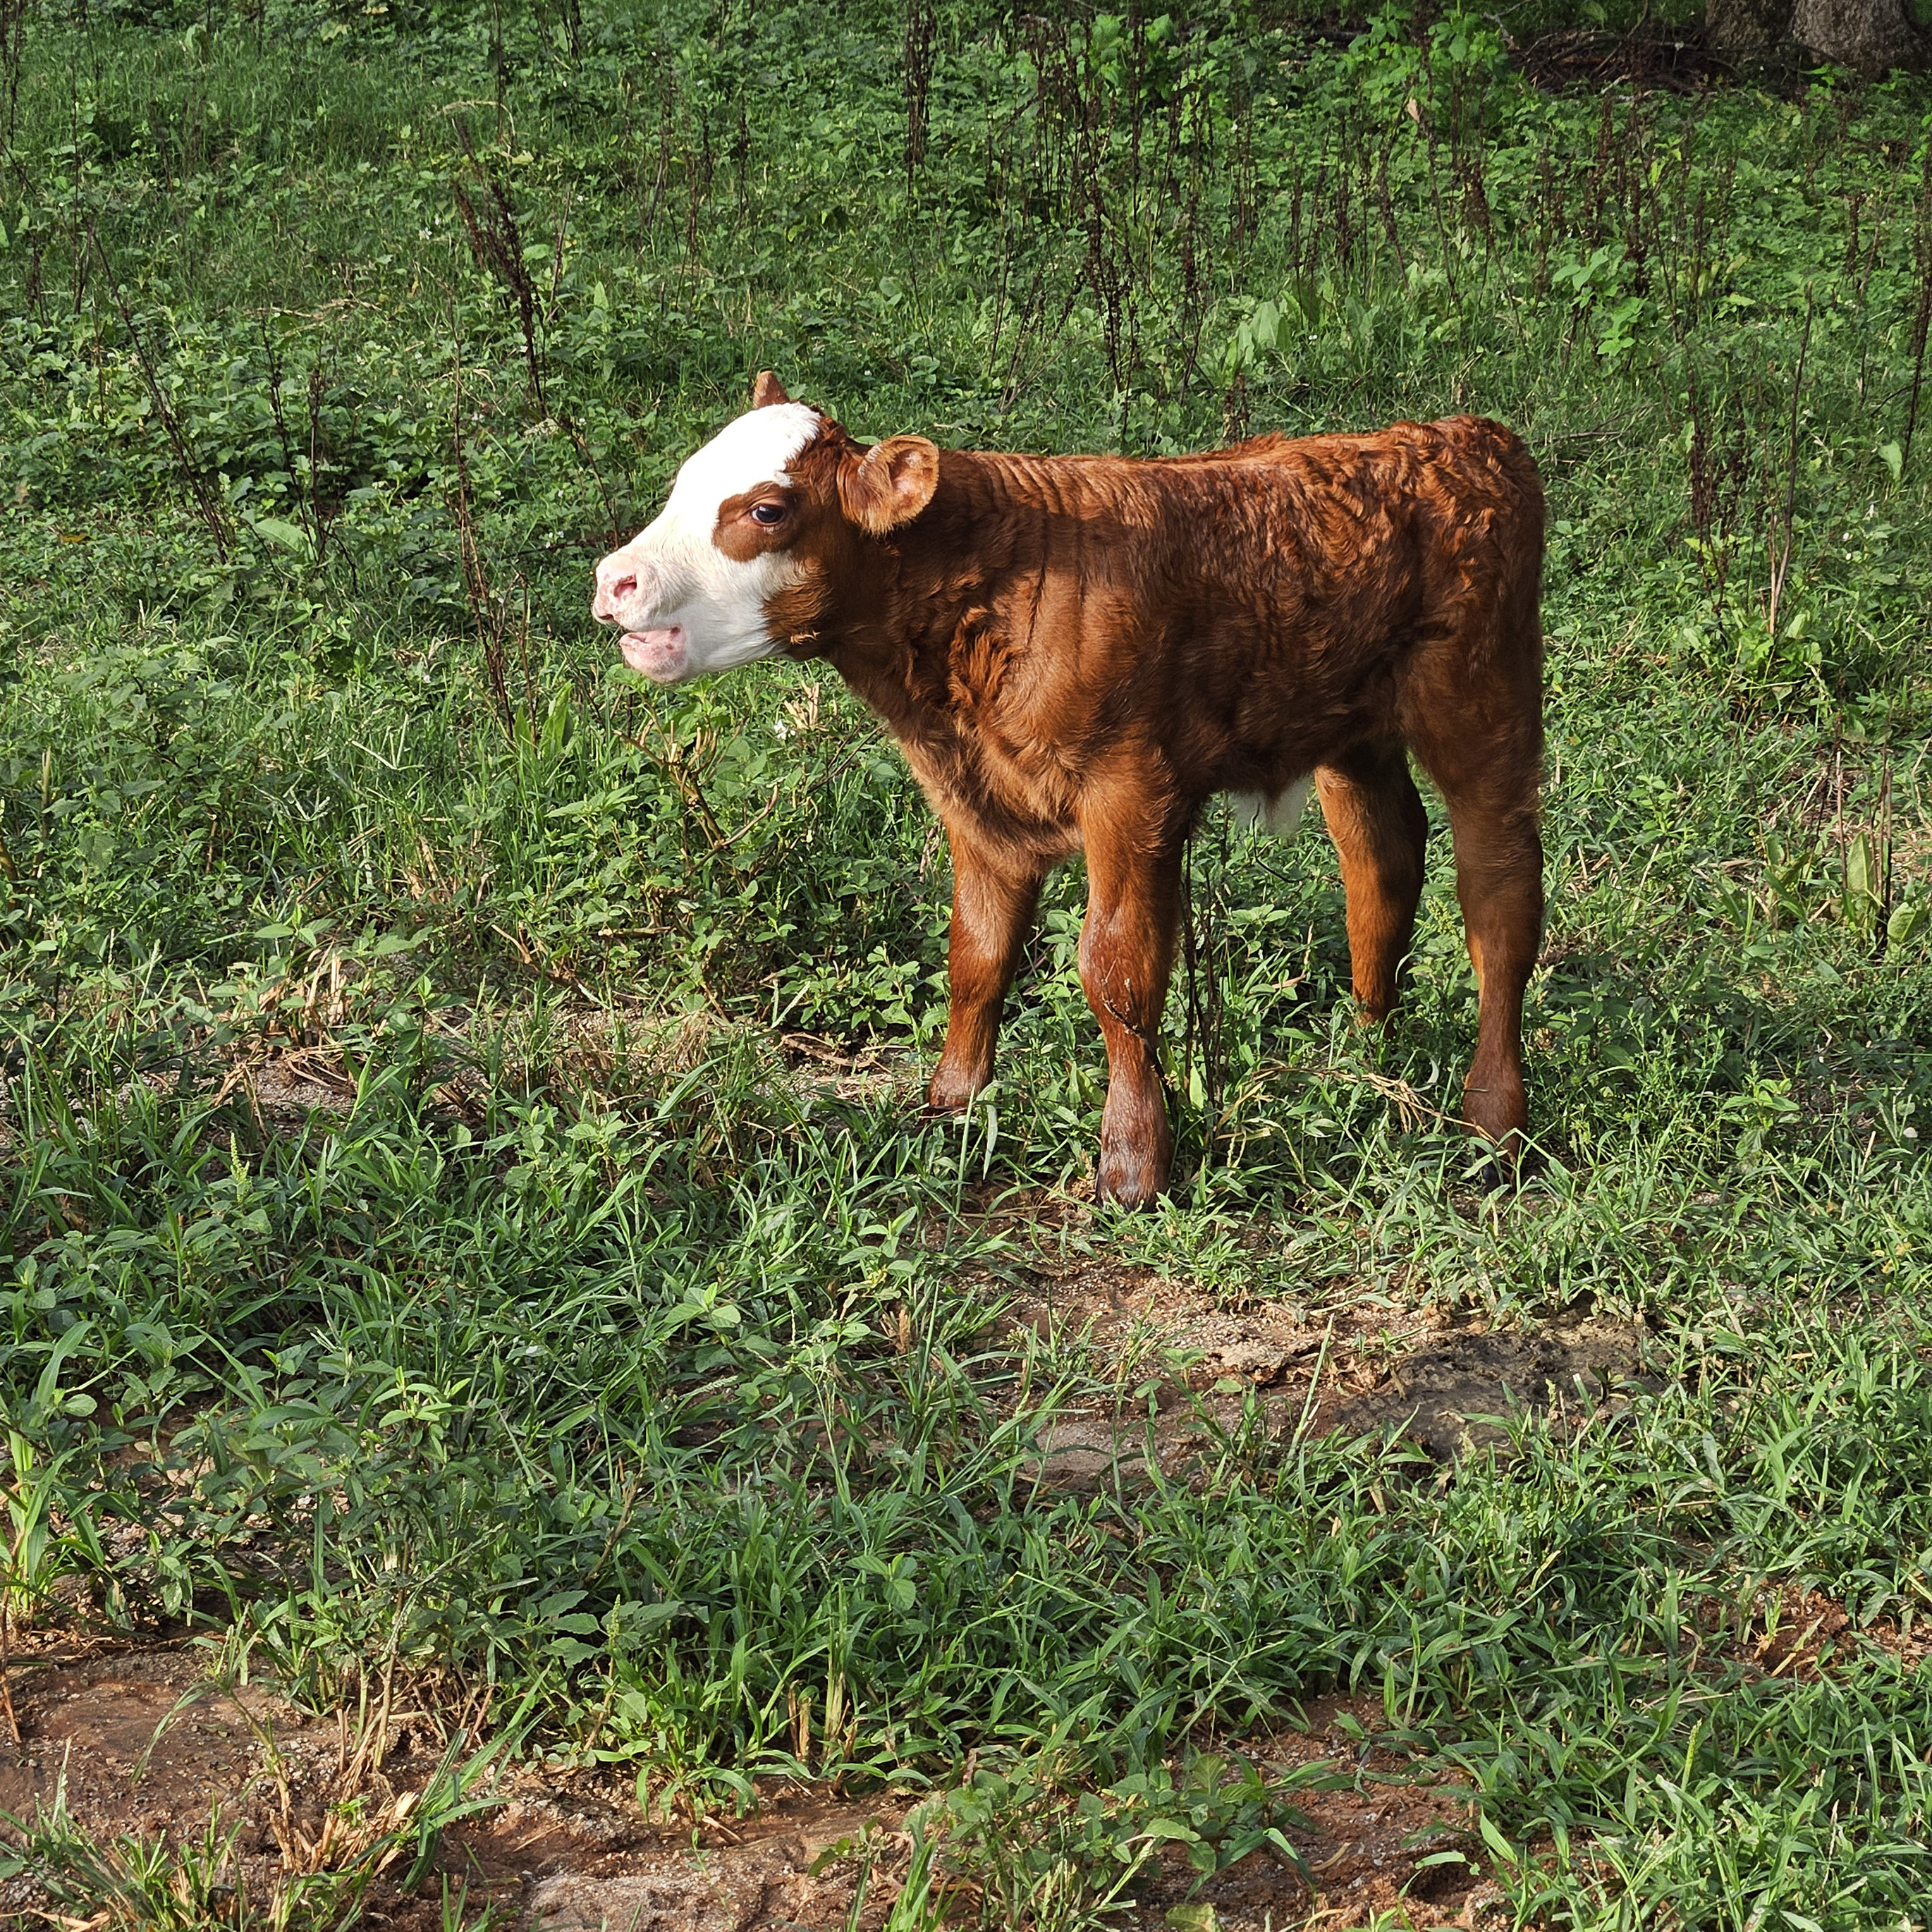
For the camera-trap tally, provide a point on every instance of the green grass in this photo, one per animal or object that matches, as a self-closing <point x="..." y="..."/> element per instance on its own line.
<point x="565" y="1350"/>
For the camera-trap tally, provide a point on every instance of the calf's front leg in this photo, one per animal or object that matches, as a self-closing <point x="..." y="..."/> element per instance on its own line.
<point x="994" y="898"/>
<point x="1127" y="954"/>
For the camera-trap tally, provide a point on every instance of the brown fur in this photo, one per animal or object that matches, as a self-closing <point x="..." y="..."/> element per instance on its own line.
<point x="1075" y="653"/>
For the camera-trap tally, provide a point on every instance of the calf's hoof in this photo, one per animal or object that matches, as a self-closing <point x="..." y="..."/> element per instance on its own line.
<point x="1128" y="1183"/>
<point x="953" y="1089"/>
<point x="1496" y="1109"/>
<point x="1136" y="1146"/>
<point x="1495" y="1170"/>
<point x="1133" y="1170"/>
<point x="1497" y="1117"/>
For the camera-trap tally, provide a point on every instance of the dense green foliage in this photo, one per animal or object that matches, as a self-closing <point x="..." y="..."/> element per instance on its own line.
<point x="589" y="1341"/>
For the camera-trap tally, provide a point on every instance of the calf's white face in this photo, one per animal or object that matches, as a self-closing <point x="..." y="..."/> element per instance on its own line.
<point x="686" y="606"/>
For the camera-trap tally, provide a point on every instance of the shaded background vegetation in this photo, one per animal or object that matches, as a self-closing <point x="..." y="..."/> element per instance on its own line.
<point x="587" y="1343"/>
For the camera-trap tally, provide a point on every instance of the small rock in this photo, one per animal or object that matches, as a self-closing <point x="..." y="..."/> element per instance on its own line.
<point x="1261" y="1362"/>
<point x="670" y="1902"/>
<point x="1086" y="1455"/>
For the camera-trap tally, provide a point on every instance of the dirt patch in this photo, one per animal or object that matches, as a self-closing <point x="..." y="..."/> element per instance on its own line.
<point x="145" y="1744"/>
<point x="133" y="1757"/>
<point x="796" y="1865"/>
<point x="1182" y="1366"/>
<point x="855" y="1076"/>
<point x="1441" y="1392"/>
<point x="576" y="1858"/>
<point x="1364" y="1843"/>
<point x="137" y="1740"/>
<point x="1786" y="1629"/>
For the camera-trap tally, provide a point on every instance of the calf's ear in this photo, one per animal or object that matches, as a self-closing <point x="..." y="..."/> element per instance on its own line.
<point x="767" y="390"/>
<point x="890" y="484"/>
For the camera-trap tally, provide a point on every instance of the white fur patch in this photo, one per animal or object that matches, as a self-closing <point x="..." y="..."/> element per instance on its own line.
<point x="683" y="581"/>
<point x="1281" y="814"/>
<point x="753" y="448"/>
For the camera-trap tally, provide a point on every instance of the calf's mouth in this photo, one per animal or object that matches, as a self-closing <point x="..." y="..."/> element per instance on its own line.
<point x="661" y="655"/>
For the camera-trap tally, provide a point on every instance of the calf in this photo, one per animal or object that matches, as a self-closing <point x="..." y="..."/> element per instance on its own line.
<point x="1075" y="653"/>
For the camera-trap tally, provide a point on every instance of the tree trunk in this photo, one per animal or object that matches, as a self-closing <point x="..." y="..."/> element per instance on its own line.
<point x="1746" y="26"/>
<point x="1870" y="37"/>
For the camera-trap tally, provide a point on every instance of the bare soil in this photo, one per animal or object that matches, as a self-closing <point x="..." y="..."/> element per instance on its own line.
<point x="145" y="1744"/>
<point x="1186" y="1366"/>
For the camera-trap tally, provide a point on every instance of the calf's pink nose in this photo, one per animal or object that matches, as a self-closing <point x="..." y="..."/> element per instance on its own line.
<point x="616" y="582"/>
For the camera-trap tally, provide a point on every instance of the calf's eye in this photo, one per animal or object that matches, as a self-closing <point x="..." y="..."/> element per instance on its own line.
<point x="768" y="514"/>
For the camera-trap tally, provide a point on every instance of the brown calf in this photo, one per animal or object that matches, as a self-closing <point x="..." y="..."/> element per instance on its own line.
<point x="1075" y="653"/>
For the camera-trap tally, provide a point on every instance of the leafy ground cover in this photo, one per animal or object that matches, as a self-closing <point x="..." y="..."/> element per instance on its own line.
<point x="474" y="1240"/>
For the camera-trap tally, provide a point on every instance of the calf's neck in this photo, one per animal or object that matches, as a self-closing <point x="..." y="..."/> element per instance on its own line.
<point x="1075" y="653"/>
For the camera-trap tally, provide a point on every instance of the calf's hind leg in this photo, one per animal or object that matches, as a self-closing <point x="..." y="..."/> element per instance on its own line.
<point x="1499" y="882"/>
<point x="1375" y="818"/>
<point x="1127" y="954"/>
<point x="1476" y="723"/>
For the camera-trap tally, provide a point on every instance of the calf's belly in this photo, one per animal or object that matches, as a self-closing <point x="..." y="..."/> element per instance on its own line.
<point x="1280" y="812"/>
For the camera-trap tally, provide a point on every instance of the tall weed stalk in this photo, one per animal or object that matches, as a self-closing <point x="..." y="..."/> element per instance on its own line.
<point x="490" y="219"/>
